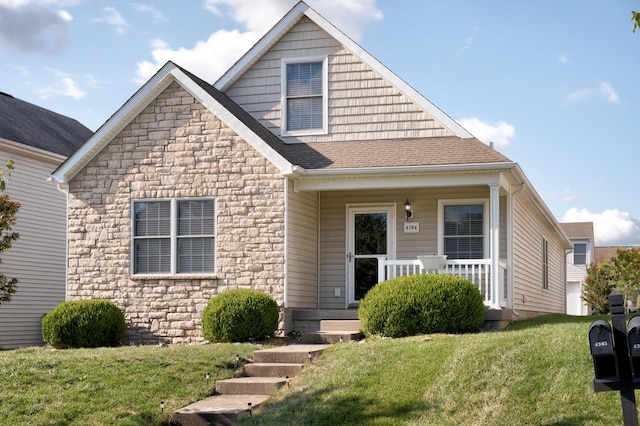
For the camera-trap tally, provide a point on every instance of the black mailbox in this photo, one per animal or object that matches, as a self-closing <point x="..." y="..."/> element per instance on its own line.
<point x="633" y="337"/>
<point x="602" y="350"/>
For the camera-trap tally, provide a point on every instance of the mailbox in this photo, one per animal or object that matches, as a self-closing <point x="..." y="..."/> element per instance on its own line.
<point x="633" y="337"/>
<point x="602" y="350"/>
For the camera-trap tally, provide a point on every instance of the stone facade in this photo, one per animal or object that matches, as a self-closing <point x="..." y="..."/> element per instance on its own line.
<point x="175" y="148"/>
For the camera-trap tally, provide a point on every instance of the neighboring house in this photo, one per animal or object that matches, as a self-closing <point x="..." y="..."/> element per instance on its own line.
<point x="38" y="141"/>
<point x="291" y="175"/>
<point x="606" y="253"/>
<point x="578" y="259"/>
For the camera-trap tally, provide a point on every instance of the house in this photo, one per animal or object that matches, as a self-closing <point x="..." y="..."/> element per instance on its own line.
<point x="308" y="171"/>
<point x="578" y="258"/>
<point x="38" y="141"/>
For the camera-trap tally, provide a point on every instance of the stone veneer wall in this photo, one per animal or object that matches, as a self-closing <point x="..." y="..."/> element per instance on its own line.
<point x="175" y="148"/>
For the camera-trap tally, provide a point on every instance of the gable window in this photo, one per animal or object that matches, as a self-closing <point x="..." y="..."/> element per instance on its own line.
<point x="304" y="97"/>
<point x="545" y="264"/>
<point x="463" y="229"/>
<point x="173" y="236"/>
<point x="580" y="254"/>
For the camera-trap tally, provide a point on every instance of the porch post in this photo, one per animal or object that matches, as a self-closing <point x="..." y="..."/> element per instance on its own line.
<point x="494" y="243"/>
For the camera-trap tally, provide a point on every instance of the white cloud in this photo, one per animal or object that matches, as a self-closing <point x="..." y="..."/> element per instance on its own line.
<point x="611" y="227"/>
<point x="350" y="16"/>
<point x="150" y="10"/>
<point x="602" y="90"/>
<point x="111" y="16"/>
<point x="63" y="85"/>
<point x="563" y="58"/>
<point x="207" y="59"/>
<point x="65" y="16"/>
<point x="31" y="28"/>
<point x="499" y="133"/>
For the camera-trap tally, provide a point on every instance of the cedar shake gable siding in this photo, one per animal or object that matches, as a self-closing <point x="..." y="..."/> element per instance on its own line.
<point x="175" y="148"/>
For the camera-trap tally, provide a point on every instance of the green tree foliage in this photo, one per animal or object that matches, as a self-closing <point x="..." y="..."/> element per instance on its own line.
<point x="599" y="283"/>
<point x="635" y="18"/>
<point x="8" y="211"/>
<point x="621" y="272"/>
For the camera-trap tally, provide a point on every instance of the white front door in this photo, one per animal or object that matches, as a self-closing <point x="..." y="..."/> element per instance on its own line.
<point x="370" y="234"/>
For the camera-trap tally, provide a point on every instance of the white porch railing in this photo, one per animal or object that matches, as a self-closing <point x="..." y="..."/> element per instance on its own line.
<point x="478" y="271"/>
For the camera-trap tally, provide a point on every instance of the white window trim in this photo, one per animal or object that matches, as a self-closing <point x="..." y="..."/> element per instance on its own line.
<point x="486" y="226"/>
<point x="325" y="96"/>
<point x="173" y="235"/>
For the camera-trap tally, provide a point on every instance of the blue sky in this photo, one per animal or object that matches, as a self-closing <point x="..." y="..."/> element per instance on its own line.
<point x="553" y="84"/>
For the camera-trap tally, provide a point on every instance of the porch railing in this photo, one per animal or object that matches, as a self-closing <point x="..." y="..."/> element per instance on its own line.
<point x="478" y="271"/>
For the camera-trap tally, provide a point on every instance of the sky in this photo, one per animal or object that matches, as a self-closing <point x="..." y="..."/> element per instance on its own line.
<point x="554" y="85"/>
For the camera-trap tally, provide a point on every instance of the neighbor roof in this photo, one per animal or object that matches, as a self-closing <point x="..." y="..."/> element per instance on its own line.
<point x="578" y="229"/>
<point x="40" y="128"/>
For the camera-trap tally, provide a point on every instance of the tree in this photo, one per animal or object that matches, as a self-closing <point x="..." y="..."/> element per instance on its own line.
<point x="621" y="272"/>
<point x="598" y="284"/>
<point x="8" y="211"/>
<point x="635" y="18"/>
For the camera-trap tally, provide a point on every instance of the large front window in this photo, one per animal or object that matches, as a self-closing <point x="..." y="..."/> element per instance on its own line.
<point x="464" y="231"/>
<point x="173" y="236"/>
<point x="304" y="97"/>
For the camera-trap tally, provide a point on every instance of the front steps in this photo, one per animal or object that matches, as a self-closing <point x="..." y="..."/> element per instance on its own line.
<point x="236" y="398"/>
<point x="334" y="331"/>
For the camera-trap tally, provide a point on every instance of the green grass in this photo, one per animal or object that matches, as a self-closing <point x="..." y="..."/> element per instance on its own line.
<point x="109" y="386"/>
<point x="537" y="373"/>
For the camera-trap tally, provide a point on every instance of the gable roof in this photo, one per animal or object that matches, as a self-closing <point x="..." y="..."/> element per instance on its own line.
<point x="578" y="229"/>
<point x="290" y="19"/>
<point x="40" y="128"/>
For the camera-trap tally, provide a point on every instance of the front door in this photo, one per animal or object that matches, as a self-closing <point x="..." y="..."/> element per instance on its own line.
<point x="370" y="235"/>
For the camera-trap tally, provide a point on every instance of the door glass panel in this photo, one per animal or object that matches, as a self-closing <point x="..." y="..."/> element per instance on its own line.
<point x="370" y="234"/>
<point x="366" y="275"/>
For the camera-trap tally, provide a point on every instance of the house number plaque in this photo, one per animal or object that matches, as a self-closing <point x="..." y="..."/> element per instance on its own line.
<point x="411" y="227"/>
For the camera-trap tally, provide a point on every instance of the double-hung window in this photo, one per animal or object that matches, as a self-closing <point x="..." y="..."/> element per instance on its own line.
<point x="174" y="236"/>
<point x="463" y="229"/>
<point x="304" y="96"/>
<point x="579" y="254"/>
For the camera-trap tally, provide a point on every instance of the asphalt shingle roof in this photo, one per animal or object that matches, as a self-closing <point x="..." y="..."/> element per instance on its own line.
<point x="41" y="128"/>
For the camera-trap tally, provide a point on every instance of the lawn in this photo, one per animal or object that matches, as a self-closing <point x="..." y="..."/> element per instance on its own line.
<point x="537" y="372"/>
<point x="109" y="386"/>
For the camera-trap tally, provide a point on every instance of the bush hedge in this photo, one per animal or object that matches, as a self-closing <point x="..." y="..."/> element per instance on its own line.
<point x="84" y="324"/>
<point x="240" y="315"/>
<point x="422" y="304"/>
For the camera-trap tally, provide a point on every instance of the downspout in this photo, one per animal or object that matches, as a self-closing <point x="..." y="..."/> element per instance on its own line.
<point x="513" y="308"/>
<point x="64" y="188"/>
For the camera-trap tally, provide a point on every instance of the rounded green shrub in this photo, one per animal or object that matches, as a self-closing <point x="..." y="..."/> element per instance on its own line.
<point x="84" y="324"/>
<point x="240" y="315"/>
<point x="422" y="304"/>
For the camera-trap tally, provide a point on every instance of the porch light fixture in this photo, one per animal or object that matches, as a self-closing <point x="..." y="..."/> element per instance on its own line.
<point x="407" y="209"/>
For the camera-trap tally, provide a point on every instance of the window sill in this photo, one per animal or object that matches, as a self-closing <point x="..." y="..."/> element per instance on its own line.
<point x="173" y="277"/>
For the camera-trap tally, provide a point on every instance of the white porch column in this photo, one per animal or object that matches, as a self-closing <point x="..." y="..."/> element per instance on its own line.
<point x="494" y="243"/>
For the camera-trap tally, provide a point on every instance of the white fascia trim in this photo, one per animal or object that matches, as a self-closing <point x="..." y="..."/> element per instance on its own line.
<point x="31" y="152"/>
<point x="118" y="121"/>
<point x="401" y="178"/>
<point x="502" y="166"/>
<point x="270" y="38"/>
<point x="233" y="122"/>
<point x="541" y="205"/>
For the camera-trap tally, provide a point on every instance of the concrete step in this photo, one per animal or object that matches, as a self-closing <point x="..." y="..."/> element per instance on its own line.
<point x="217" y="410"/>
<point x="340" y="325"/>
<point x="298" y="354"/>
<point x="330" y="337"/>
<point x="272" y="369"/>
<point x="250" y="385"/>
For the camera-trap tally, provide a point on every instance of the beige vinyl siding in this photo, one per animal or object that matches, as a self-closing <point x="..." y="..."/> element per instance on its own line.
<point x="302" y="249"/>
<point x="529" y="232"/>
<point x="362" y="105"/>
<point x="38" y="258"/>
<point x="333" y="220"/>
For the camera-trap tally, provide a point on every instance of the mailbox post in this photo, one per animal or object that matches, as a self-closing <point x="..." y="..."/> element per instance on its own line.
<point x="614" y="353"/>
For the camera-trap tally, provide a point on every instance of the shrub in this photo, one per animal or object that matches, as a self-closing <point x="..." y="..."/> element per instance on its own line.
<point x="424" y="303"/>
<point x="240" y="315"/>
<point x="84" y="324"/>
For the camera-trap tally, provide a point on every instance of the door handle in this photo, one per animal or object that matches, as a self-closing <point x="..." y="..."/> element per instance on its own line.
<point x="349" y="257"/>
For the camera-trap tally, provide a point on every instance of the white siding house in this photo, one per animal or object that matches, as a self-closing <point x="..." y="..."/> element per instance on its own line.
<point x="579" y="258"/>
<point x="37" y="141"/>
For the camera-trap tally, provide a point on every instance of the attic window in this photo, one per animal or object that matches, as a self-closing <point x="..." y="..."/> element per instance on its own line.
<point x="304" y="97"/>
